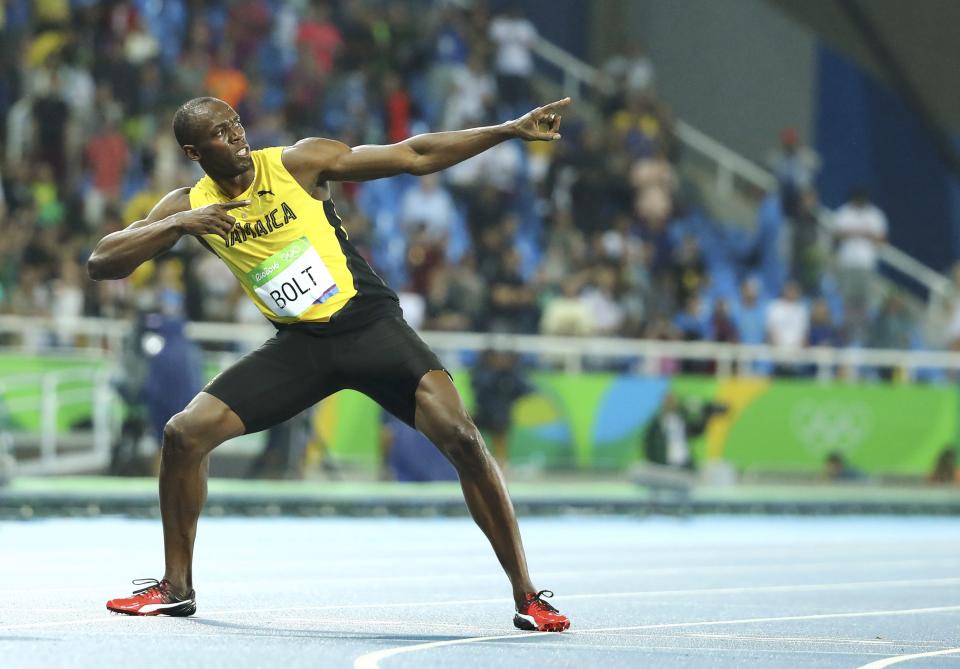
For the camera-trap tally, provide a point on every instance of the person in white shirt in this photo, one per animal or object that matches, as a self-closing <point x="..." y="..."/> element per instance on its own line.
<point x="513" y="35"/>
<point x="472" y="93"/>
<point x="430" y="205"/>
<point x="860" y="228"/>
<point x="788" y="324"/>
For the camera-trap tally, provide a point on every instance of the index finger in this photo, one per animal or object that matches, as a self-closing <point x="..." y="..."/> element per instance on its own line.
<point x="559" y="104"/>
<point x="234" y="205"/>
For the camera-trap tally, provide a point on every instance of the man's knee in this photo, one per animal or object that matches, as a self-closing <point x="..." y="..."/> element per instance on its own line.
<point x="186" y="436"/>
<point x="178" y="439"/>
<point x="464" y="447"/>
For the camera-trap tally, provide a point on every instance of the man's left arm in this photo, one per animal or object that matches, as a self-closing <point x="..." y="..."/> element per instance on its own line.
<point x="315" y="159"/>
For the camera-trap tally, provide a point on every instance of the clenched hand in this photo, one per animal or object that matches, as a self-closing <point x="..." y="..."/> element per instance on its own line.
<point x="542" y="123"/>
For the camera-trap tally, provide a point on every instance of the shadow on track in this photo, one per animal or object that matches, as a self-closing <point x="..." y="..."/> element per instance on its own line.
<point x="279" y="632"/>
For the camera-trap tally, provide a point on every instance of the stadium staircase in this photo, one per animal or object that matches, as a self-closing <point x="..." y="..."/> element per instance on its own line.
<point x="731" y="186"/>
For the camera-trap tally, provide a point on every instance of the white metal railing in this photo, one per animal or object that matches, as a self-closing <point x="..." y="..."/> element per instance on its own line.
<point x="572" y="353"/>
<point x="730" y="165"/>
<point x="45" y="393"/>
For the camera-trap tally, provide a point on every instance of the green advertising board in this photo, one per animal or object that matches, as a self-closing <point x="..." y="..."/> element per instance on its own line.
<point x="597" y="420"/>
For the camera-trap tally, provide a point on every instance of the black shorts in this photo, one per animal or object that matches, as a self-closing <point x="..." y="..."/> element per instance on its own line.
<point x="294" y="370"/>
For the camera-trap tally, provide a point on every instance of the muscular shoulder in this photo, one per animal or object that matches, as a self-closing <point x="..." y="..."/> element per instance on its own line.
<point x="312" y="157"/>
<point x="173" y="202"/>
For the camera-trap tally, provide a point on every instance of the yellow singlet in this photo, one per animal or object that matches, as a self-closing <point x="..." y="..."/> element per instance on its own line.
<point x="290" y="252"/>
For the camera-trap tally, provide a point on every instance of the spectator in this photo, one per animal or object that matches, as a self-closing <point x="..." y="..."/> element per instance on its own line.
<point x="788" y="322"/>
<point x="891" y="326"/>
<point x="788" y="325"/>
<point x="823" y="332"/>
<point x="945" y="468"/>
<point x="107" y="155"/>
<point x="600" y="300"/>
<point x="694" y="321"/>
<point x="512" y="303"/>
<point x="795" y="166"/>
<point x="226" y="81"/>
<point x="666" y="440"/>
<point x="428" y="204"/>
<point x="318" y="34"/>
<point x="953" y="311"/>
<point x="860" y="228"/>
<point x="396" y="108"/>
<point x="513" y="35"/>
<point x="688" y="270"/>
<point x="722" y="324"/>
<point x="473" y="91"/>
<point x="566" y="314"/>
<point x="498" y="382"/>
<point x="836" y="468"/>
<point x="455" y="299"/>
<point x="750" y="314"/>
<point x="631" y="69"/>
<point x="52" y="116"/>
<point x="891" y="329"/>
<point x="806" y="261"/>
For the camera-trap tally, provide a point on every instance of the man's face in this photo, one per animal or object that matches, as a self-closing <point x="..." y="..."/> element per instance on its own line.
<point x="221" y="146"/>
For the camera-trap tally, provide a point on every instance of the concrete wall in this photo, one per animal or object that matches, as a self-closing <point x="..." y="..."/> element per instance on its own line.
<point x="739" y="70"/>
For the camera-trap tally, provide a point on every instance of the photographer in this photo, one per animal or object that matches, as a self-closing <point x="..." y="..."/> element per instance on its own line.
<point x="667" y="437"/>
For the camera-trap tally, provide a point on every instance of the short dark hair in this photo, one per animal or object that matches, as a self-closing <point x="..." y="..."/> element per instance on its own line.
<point x="185" y="119"/>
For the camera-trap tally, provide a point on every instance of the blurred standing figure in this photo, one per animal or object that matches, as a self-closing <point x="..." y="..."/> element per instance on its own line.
<point x="631" y="69"/>
<point x="859" y="228"/>
<point x="945" y="468"/>
<point x="498" y="383"/>
<point x="667" y="438"/>
<point x="836" y="468"/>
<point x="796" y="166"/>
<point x="513" y="34"/>
<point x="788" y="325"/>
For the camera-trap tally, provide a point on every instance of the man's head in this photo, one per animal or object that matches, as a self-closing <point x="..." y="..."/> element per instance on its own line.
<point x="210" y="132"/>
<point x="791" y="291"/>
<point x="859" y="196"/>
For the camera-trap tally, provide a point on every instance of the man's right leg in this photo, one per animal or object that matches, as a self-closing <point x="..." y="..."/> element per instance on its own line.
<point x="188" y="439"/>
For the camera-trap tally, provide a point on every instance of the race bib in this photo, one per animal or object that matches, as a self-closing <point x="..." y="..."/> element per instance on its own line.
<point x="293" y="279"/>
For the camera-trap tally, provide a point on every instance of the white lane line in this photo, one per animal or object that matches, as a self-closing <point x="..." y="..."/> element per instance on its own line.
<point x="56" y="623"/>
<point x="372" y="660"/>
<point x="806" y="587"/>
<point x="40" y="563"/>
<point x="542" y="576"/>
<point x="880" y="664"/>
<point x="812" y="587"/>
<point x="745" y="621"/>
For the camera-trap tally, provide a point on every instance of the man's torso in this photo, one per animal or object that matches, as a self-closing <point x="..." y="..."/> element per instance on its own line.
<point x="291" y="254"/>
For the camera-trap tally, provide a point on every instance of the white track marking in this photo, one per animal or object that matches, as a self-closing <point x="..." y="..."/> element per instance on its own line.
<point x="806" y="587"/>
<point x="744" y="621"/>
<point x="542" y="575"/>
<point x="372" y="660"/>
<point x="57" y="623"/>
<point x="812" y="587"/>
<point x="880" y="664"/>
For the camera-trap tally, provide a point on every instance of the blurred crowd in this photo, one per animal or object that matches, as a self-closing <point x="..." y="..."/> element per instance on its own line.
<point x="595" y="235"/>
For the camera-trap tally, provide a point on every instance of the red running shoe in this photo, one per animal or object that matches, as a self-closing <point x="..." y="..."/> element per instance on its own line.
<point x="156" y="599"/>
<point x="538" y="615"/>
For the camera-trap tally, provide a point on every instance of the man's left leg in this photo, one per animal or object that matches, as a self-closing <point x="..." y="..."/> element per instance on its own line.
<point x="441" y="416"/>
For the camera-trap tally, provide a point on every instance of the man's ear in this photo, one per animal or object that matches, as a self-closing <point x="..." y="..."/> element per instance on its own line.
<point x="191" y="152"/>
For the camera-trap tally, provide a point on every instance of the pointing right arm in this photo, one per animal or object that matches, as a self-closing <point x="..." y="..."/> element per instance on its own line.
<point x="121" y="252"/>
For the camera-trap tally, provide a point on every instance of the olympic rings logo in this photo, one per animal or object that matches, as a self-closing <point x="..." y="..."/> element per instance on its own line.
<point x="823" y="426"/>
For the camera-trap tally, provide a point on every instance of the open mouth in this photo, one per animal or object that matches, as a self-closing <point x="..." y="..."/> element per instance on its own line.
<point x="244" y="152"/>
